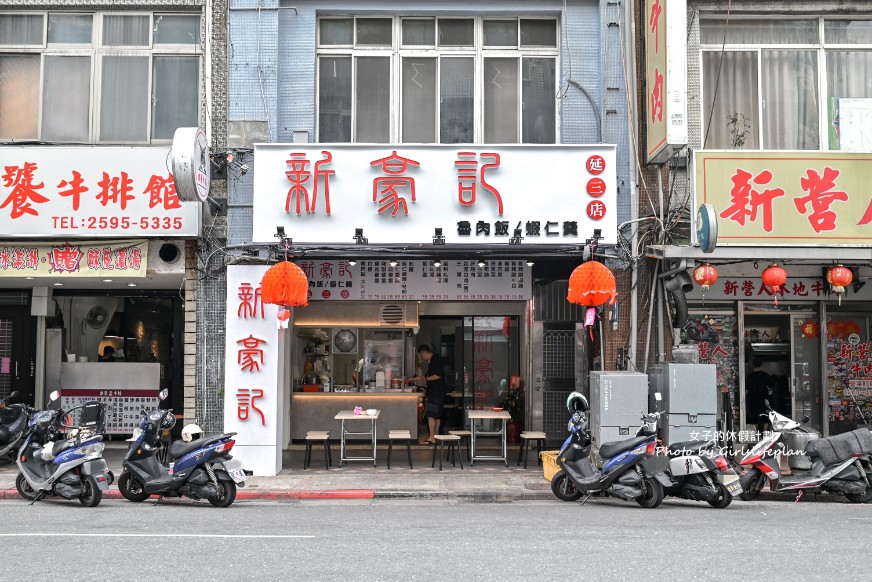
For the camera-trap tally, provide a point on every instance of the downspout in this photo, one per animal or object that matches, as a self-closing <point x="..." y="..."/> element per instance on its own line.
<point x="633" y="125"/>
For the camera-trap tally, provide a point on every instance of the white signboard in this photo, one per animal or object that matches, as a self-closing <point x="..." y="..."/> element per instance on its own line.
<point x="734" y="288"/>
<point x="253" y="400"/>
<point x="497" y="280"/>
<point x="400" y="194"/>
<point x="92" y="192"/>
<point x="855" y="125"/>
<point x="122" y="407"/>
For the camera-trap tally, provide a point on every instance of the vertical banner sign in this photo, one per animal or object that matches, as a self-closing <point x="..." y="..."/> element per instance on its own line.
<point x="665" y="78"/>
<point x="252" y="399"/>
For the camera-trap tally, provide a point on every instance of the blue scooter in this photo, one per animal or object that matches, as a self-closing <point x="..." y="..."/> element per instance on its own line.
<point x="200" y="469"/>
<point x="13" y="424"/>
<point x="70" y="467"/>
<point x="631" y="468"/>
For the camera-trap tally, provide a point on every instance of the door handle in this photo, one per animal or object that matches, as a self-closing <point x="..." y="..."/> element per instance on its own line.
<point x="16" y="369"/>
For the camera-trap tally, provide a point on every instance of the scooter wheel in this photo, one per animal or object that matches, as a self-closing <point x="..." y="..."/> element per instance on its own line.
<point x="226" y="496"/>
<point x="91" y="493"/>
<point x="131" y="488"/>
<point x="563" y="488"/>
<point x="24" y="488"/>
<point x="752" y="484"/>
<point x="724" y="497"/>
<point x="653" y="495"/>
<point x="860" y="497"/>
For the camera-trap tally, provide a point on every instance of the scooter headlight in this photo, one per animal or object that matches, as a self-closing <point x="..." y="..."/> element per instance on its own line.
<point x="93" y="451"/>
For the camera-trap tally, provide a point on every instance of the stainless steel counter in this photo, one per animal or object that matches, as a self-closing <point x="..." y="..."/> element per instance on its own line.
<point x="316" y="411"/>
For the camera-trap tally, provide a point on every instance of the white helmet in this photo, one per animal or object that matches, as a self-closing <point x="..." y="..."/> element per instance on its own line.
<point x="191" y="432"/>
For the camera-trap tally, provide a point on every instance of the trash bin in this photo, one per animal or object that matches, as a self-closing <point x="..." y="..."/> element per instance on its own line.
<point x="795" y="442"/>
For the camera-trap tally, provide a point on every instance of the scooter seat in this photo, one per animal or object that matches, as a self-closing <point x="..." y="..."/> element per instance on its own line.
<point x="609" y="450"/>
<point x="181" y="448"/>
<point x="61" y="446"/>
<point x="690" y="447"/>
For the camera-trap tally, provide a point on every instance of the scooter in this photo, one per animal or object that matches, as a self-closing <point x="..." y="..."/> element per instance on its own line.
<point x="200" y="469"/>
<point x="631" y="469"/>
<point x="13" y="424"/>
<point x="840" y="464"/>
<point x="700" y="473"/>
<point x="71" y="467"/>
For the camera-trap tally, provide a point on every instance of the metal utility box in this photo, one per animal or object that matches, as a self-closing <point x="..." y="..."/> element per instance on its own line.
<point x="689" y="400"/>
<point x="617" y="401"/>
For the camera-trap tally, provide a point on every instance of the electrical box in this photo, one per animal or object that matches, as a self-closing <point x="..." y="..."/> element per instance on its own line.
<point x="617" y="402"/>
<point x="689" y="400"/>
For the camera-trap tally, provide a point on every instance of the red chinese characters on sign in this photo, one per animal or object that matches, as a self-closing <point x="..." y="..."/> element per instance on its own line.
<point x="65" y="259"/>
<point x="484" y="371"/>
<point x="115" y="189"/>
<point x="746" y="200"/>
<point x="250" y="302"/>
<point x="394" y="166"/>
<point x="299" y="176"/>
<point x="596" y="210"/>
<point x="656" y="106"/>
<point x="596" y="165"/>
<point x="820" y="195"/>
<point x="76" y="188"/>
<point x="24" y="190"/>
<point x="469" y="176"/>
<point x="162" y="192"/>
<point x="245" y="403"/>
<point x="596" y="187"/>
<point x="654" y="24"/>
<point x="250" y="355"/>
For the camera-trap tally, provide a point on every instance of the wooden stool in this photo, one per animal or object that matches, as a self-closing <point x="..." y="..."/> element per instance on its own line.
<point x="464" y="435"/>
<point x="453" y="444"/>
<point x="322" y="436"/>
<point x="400" y="435"/>
<point x="523" y="450"/>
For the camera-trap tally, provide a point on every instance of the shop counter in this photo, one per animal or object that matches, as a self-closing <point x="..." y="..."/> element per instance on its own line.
<point x="317" y="411"/>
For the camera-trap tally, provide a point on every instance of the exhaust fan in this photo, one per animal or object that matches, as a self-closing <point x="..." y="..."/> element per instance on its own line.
<point x="96" y="317"/>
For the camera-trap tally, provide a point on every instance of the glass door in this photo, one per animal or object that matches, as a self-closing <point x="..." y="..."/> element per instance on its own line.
<point x="491" y="358"/>
<point x="805" y="385"/>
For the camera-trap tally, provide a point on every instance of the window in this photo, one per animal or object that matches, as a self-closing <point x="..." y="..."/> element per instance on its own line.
<point x="437" y="80"/>
<point x="98" y="77"/>
<point x="802" y="84"/>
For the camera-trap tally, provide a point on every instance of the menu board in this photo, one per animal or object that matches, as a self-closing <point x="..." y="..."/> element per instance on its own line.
<point x="123" y="407"/>
<point x="717" y="340"/>
<point x="849" y="370"/>
<point x="418" y="280"/>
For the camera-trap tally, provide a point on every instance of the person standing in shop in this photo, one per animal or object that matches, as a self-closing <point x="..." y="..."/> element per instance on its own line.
<point x="436" y="388"/>
<point x="757" y="387"/>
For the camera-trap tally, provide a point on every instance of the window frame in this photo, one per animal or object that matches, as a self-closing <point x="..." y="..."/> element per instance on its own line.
<point x="397" y="52"/>
<point x="820" y="49"/>
<point x="96" y="51"/>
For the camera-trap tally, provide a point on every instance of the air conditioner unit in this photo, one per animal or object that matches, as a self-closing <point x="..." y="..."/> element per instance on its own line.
<point x="345" y="340"/>
<point x="166" y="257"/>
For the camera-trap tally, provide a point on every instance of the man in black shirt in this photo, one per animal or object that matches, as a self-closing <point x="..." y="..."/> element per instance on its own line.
<point x="757" y="386"/>
<point x="436" y="387"/>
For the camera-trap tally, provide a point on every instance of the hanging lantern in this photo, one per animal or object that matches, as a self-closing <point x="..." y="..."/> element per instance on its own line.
<point x="839" y="277"/>
<point x="705" y="276"/>
<point x="774" y="277"/>
<point x="591" y="284"/>
<point x="285" y="284"/>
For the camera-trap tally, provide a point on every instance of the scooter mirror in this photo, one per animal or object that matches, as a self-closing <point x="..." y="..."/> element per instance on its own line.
<point x="13" y="395"/>
<point x="163" y="394"/>
<point x="767" y="403"/>
<point x="54" y="396"/>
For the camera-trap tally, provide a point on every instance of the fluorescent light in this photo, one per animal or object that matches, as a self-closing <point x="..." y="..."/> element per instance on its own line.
<point x="107" y="280"/>
<point x="131" y="284"/>
<point x="58" y="284"/>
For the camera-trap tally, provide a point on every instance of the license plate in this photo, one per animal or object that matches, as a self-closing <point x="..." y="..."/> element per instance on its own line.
<point x="735" y="488"/>
<point x="238" y="475"/>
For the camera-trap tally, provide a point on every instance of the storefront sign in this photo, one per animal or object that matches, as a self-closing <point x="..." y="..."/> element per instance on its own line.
<point x="91" y="192"/>
<point x="666" y="77"/>
<point x="191" y="164"/>
<point x="498" y="280"/>
<point x="787" y="198"/>
<point x="252" y="398"/>
<point x="796" y="288"/>
<point x="122" y="406"/>
<point x="401" y="194"/>
<point x="72" y="259"/>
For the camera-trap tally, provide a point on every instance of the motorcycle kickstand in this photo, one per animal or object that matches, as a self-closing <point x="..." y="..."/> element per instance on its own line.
<point x="158" y="500"/>
<point x="584" y="498"/>
<point x="39" y="497"/>
<point x="799" y="496"/>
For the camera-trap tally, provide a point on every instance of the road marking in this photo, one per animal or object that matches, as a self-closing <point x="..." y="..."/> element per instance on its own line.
<point x="142" y="535"/>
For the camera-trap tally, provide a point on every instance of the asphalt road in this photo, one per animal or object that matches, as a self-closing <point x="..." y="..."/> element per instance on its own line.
<point x="434" y="540"/>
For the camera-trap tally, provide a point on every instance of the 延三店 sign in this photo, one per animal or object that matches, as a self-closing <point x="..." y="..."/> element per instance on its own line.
<point x="400" y="193"/>
<point x="666" y="78"/>
<point x="91" y="192"/>
<point x="73" y="259"/>
<point x="787" y="198"/>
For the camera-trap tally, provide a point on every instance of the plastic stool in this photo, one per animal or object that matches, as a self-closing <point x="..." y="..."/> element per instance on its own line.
<point x="317" y="436"/>
<point x="400" y="435"/>
<point x="453" y="445"/>
<point x="464" y="435"/>
<point x="524" y="450"/>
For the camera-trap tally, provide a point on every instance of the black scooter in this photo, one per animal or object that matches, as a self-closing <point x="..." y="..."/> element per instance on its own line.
<point x="13" y="425"/>
<point x="631" y="469"/>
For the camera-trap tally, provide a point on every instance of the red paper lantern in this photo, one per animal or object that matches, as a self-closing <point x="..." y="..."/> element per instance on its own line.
<point x="705" y="275"/>
<point x="285" y="284"/>
<point x="839" y="277"/>
<point x="591" y="284"/>
<point x="774" y="277"/>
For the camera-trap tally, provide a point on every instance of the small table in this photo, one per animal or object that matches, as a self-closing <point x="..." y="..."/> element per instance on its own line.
<point x="349" y="415"/>
<point x="487" y="415"/>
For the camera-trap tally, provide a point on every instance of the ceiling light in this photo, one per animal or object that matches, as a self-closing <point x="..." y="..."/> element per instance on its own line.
<point x="28" y="278"/>
<point x="392" y="263"/>
<point x="530" y="263"/>
<point x="107" y="280"/>
<point x="437" y="263"/>
<point x="131" y="284"/>
<point x="58" y="284"/>
<point x="482" y="263"/>
<point x="352" y="262"/>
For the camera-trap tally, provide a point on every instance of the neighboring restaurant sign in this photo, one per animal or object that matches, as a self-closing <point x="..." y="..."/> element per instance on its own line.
<point x="401" y="194"/>
<point x="191" y="164"/>
<point x="74" y="259"/>
<point x="497" y="280"/>
<point x="91" y="192"/>
<point x="665" y="78"/>
<point x="787" y="198"/>
<point x="122" y="406"/>
<point x="252" y="400"/>
<point x="796" y="288"/>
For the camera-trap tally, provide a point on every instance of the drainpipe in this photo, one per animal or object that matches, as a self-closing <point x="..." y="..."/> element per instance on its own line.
<point x="629" y="30"/>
